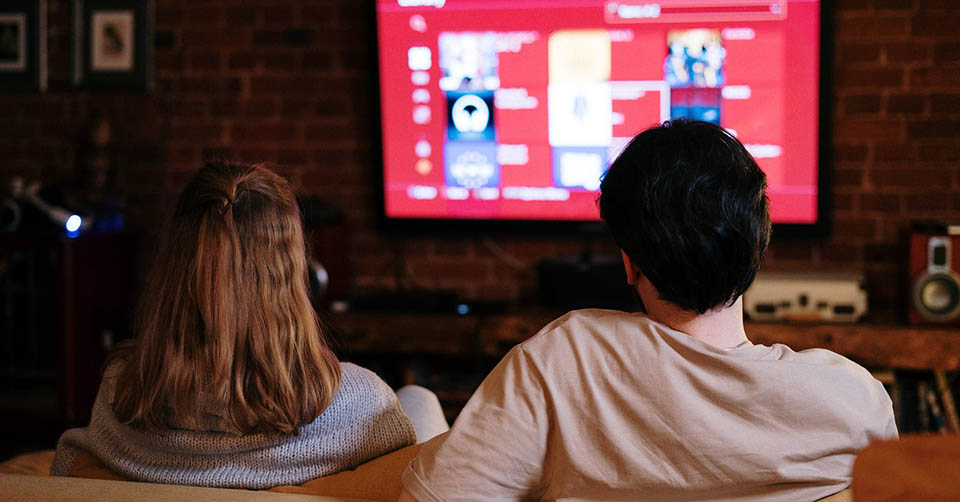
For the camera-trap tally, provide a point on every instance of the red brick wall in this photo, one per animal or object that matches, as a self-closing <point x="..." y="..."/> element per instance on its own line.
<point x="288" y="81"/>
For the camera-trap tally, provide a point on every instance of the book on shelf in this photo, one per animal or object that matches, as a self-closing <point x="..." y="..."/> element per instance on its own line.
<point x="936" y="413"/>
<point x="924" y="422"/>
<point x="946" y="399"/>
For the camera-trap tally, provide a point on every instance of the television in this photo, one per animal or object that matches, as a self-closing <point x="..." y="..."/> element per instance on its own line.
<point x="506" y="113"/>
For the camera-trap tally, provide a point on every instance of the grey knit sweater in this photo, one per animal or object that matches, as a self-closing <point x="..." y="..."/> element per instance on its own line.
<point x="364" y="421"/>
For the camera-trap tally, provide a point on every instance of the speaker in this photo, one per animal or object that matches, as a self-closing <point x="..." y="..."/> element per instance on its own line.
<point x="934" y="265"/>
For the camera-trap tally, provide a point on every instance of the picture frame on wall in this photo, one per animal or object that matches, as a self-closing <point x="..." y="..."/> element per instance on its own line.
<point x="23" y="47"/>
<point x="113" y="44"/>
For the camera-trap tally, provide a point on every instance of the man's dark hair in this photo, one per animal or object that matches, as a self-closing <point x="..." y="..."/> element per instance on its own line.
<point x="688" y="205"/>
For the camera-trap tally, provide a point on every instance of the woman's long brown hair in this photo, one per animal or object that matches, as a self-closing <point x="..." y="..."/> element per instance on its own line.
<point x="226" y="314"/>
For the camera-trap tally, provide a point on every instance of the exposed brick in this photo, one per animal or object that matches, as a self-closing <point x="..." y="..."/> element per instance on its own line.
<point x="167" y="17"/>
<point x="840" y="253"/>
<point x="862" y="28"/>
<point x="945" y="103"/>
<point x="907" y="52"/>
<point x="854" y="228"/>
<point x="876" y="129"/>
<point x="936" y="4"/>
<point x="859" y="53"/>
<point x="880" y="253"/>
<point x="285" y="85"/>
<point x="291" y="156"/>
<point x="844" y="5"/>
<point x="850" y="152"/>
<point x="910" y="178"/>
<point x="941" y="151"/>
<point x="842" y="202"/>
<point x="168" y="61"/>
<point x="317" y="60"/>
<point x="848" y="177"/>
<point x="305" y="106"/>
<point x="790" y="251"/>
<point x="242" y="60"/>
<point x="262" y="107"/>
<point x="211" y="85"/>
<point x="455" y="248"/>
<point x="871" y="104"/>
<point x="906" y="104"/>
<point x="893" y="152"/>
<point x="934" y="77"/>
<point x="189" y="108"/>
<point x="261" y="132"/>
<point x="872" y="78"/>
<point x="333" y="107"/>
<point x="946" y="51"/>
<point x="436" y="269"/>
<point x="203" y="60"/>
<point x="918" y="129"/>
<point x="289" y="37"/>
<point x="242" y="16"/>
<point x="193" y="132"/>
<point x="884" y="203"/>
<point x="199" y="38"/>
<point x="330" y="131"/>
<point x="295" y="107"/>
<point x="203" y="15"/>
<point x="893" y="4"/>
<point x="225" y="107"/>
<point x="933" y="25"/>
<point x="284" y="61"/>
<point x="278" y="16"/>
<point x="928" y="202"/>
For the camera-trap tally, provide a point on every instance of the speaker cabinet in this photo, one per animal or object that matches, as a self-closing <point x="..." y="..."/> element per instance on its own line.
<point x="934" y="281"/>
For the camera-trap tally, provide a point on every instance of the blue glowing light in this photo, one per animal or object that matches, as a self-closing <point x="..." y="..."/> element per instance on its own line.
<point x="73" y="223"/>
<point x="463" y="309"/>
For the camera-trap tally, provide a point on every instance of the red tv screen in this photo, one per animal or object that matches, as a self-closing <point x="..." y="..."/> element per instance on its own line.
<point x="513" y="109"/>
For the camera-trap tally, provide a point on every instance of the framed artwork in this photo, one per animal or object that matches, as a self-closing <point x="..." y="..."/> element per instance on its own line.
<point x="113" y="46"/>
<point x="23" y="45"/>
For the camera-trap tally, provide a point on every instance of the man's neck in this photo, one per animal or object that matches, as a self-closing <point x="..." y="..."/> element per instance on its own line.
<point x="722" y="327"/>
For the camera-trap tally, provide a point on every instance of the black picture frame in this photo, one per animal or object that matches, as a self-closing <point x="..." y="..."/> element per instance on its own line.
<point x="113" y="44"/>
<point x="23" y="45"/>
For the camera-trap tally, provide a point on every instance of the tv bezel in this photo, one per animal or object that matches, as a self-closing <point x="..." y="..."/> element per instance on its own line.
<point x="819" y="229"/>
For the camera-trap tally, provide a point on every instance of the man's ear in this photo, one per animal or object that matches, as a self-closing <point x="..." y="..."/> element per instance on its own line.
<point x="633" y="272"/>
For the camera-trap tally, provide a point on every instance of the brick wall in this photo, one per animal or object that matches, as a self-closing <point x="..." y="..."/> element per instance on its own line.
<point x="288" y="81"/>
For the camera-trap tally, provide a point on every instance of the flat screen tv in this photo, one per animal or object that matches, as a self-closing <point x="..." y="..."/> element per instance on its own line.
<point x="508" y="112"/>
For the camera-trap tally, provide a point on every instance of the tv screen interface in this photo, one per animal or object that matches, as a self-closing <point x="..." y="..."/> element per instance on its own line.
<point x="513" y="109"/>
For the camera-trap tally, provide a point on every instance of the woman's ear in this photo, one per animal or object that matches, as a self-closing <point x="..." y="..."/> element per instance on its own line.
<point x="633" y="272"/>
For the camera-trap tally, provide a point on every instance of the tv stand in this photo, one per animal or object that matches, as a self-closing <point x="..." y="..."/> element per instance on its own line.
<point x="873" y="344"/>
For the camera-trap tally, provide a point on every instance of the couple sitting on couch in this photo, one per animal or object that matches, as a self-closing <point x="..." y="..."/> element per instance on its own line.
<point x="229" y="382"/>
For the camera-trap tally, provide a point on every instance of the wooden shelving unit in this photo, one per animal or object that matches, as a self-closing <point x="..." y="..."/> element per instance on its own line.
<point x="888" y="345"/>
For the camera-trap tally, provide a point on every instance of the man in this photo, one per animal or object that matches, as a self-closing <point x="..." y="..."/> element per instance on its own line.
<point x="674" y="404"/>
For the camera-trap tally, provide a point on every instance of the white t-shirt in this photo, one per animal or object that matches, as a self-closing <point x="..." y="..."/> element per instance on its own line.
<point x="606" y="405"/>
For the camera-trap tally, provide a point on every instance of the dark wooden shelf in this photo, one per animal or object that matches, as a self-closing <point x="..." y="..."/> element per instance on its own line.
<point x="888" y="345"/>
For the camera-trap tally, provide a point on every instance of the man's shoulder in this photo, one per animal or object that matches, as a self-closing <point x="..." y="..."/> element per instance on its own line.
<point x="584" y="323"/>
<point x="588" y="332"/>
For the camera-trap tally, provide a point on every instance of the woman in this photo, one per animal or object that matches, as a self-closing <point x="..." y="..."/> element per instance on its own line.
<point x="229" y="382"/>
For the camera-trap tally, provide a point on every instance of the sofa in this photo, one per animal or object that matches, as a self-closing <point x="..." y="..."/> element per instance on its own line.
<point x="26" y="478"/>
<point x="920" y="467"/>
